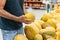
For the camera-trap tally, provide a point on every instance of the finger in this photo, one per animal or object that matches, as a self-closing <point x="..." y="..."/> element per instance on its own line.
<point x="24" y="16"/>
<point x="28" y="20"/>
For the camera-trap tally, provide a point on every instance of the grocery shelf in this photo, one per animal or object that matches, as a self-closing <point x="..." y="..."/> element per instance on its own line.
<point x="35" y="4"/>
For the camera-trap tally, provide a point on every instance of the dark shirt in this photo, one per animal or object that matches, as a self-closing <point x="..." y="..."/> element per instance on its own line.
<point x="15" y="7"/>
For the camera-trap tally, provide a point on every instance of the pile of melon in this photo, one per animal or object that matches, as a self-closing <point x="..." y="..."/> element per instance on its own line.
<point x="46" y="28"/>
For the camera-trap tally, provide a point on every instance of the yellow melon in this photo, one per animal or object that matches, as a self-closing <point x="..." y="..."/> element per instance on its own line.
<point x="52" y="22"/>
<point x="31" y="31"/>
<point x="45" y="17"/>
<point x="57" y="35"/>
<point x="38" y="37"/>
<point x="20" y="37"/>
<point x="41" y="22"/>
<point x="42" y="31"/>
<point x="50" y="29"/>
<point x="30" y="16"/>
<point x="38" y="25"/>
<point x="51" y="38"/>
<point x="44" y="25"/>
<point x="49" y="34"/>
<point x="58" y="27"/>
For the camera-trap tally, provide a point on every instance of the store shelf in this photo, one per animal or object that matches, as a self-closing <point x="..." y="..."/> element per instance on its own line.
<point x="35" y="4"/>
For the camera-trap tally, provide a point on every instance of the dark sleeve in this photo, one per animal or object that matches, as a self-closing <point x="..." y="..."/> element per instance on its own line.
<point x="14" y="7"/>
<point x="21" y="2"/>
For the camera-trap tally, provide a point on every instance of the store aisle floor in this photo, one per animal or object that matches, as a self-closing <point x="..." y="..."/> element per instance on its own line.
<point x="38" y="13"/>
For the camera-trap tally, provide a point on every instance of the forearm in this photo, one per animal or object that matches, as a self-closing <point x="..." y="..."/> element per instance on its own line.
<point x="5" y="14"/>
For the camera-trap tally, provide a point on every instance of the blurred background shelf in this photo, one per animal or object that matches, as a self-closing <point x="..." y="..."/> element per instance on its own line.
<point x="35" y="4"/>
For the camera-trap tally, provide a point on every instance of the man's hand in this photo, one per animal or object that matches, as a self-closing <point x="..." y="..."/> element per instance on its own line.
<point x="23" y="19"/>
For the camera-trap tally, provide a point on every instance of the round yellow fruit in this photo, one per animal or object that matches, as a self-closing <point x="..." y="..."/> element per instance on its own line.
<point x="31" y="31"/>
<point x="38" y="25"/>
<point x="41" y="22"/>
<point x="42" y="31"/>
<point x="49" y="34"/>
<point x="51" y="38"/>
<point x="30" y="16"/>
<point x="52" y="13"/>
<point x="52" y="22"/>
<point x="57" y="10"/>
<point x="50" y="29"/>
<point x="57" y="35"/>
<point x="20" y="37"/>
<point x="44" y="25"/>
<point x="38" y="37"/>
<point x="58" y="27"/>
<point x="57" y="17"/>
<point x="45" y="17"/>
